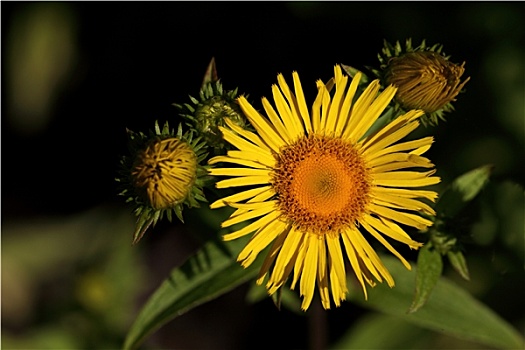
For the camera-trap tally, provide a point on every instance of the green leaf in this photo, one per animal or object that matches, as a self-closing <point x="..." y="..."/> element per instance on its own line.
<point x="458" y="262"/>
<point x="449" y="310"/>
<point x="379" y="331"/>
<point x="430" y="266"/>
<point x="211" y="272"/>
<point x="462" y="190"/>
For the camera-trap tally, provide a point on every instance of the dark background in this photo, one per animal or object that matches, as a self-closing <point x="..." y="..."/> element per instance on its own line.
<point x="121" y="65"/>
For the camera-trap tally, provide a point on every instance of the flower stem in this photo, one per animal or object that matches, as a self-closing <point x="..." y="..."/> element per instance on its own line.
<point x="317" y="327"/>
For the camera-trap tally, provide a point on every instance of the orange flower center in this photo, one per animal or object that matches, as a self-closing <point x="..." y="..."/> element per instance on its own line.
<point x="322" y="184"/>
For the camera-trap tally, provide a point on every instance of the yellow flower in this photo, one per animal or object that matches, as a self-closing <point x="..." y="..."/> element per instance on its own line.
<point x="315" y="181"/>
<point x="165" y="172"/>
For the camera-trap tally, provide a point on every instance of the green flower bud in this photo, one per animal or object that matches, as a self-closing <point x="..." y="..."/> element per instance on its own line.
<point x="206" y="114"/>
<point x="162" y="174"/>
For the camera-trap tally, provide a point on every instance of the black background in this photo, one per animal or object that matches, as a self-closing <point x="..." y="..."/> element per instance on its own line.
<point x="137" y="58"/>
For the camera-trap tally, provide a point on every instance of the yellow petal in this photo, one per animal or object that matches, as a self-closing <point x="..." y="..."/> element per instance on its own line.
<point x="243" y="181"/>
<point x="276" y="120"/>
<point x="264" y="236"/>
<point x="248" y="163"/>
<point x="384" y="242"/>
<point x="309" y="273"/>
<point x="316" y="107"/>
<point x="361" y="250"/>
<point x="325" y="107"/>
<point x="347" y="104"/>
<point x="415" y="145"/>
<point x="406" y="193"/>
<point x="299" y="262"/>
<point x="409" y="181"/>
<point x="239" y="172"/>
<point x="260" y="157"/>
<point x="239" y="142"/>
<point x="281" y="229"/>
<point x="335" y="107"/>
<point x="301" y="102"/>
<point x="403" y="175"/>
<point x="392" y="132"/>
<point x="292" y="104"/>
<point x="288" y="250"/>
<point x="401" y="217"/>
<point x="380" y="145"/>
<point x="359" y="110"/>
<point x="421" y="150"/>
<point x="400" y="157"/>
<point x="262" y="126"/>
<point x="261" y="197"/>
<point x="265" y="209"/>
<point x="337" y="268"/>
<point x="403" y="204"/>
<point x="239" y="197"/>
<point x="373" y="259"/>
<point x="338" y="294"/>
<point x="322" y="275"/>
<point x="373" y="112"/>
<point x="249" y="205"/>
<point x="256" y="225"/>
<point x="248" y="135"/>
<point x="286" y="114"/>
<point x="354" y="262"/>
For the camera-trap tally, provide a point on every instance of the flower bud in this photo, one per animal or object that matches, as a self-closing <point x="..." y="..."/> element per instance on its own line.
<point x="425" y="80"/>
<point x="162" y="174"/>
<point x="209" y="112"/>
<point x="424" y="77"/>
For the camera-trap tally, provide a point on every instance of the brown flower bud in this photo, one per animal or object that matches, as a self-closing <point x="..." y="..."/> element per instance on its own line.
<point x="425" y="80"/>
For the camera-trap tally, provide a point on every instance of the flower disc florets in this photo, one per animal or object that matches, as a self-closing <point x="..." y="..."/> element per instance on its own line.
<point x="322" y="184"/>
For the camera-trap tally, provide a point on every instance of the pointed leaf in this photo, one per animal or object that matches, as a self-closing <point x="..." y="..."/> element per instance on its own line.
<point x="449" y="310"/>
<point x="458" y="262"/>
<point x="462" y="190"/>
<point x="211" y="272"/>
<point x="351" y="71"/>
<point x="145" y="220"/>
<point x="429" y="268"/>
<point x="211" y="73"/>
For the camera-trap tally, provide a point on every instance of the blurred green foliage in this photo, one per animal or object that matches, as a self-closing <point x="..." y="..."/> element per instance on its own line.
<point x="70" y="282"/>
